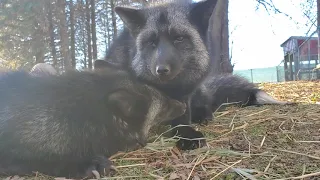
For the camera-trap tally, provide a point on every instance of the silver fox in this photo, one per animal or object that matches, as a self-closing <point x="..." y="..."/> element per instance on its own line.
<point x="164" y="45"/>
<point x="68" y="125"/>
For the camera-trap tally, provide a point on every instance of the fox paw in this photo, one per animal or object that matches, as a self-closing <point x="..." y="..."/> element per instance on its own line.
<point x="190" y="139"/>
<point x="101" y="166"/>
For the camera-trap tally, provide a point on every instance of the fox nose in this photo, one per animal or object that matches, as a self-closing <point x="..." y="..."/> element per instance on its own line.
<point x="162" y="70"/>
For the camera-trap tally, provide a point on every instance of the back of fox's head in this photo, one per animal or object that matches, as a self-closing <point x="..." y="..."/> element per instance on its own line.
<point x="142" y="106"/>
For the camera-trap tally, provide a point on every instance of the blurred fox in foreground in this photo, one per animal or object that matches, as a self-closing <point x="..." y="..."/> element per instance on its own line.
<point x="68" y="125"/>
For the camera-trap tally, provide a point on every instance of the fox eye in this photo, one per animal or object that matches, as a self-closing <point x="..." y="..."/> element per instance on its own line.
<point x="178" y="39"/>
<point x="152" y="40"/>
<point x="152" y="43"/>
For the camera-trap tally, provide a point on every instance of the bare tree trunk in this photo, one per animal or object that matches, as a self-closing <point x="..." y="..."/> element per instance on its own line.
<point x="38" y="42"/>
<point x="226" y="60"/>
<point x="73" y="38"/>
<point x="39" y="57"/>
<point x="93" y="30"/>
<point x="108" y="29"/>
<point x="83" y="35"/>
<point x="318" y="24"/>
<point x="114" y="19"/>
<point x="218" y="42"/>
<point x="52" y="35"/>
<point x="64" y="37"/>
<point x="88" y="29"/>
<point x="105" y="25"/>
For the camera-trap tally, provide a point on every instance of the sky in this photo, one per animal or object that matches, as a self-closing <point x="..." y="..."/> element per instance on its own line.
<point x="257" y="36"/>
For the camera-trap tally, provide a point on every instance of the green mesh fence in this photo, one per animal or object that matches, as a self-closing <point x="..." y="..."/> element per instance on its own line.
<point x="271" y="74"/>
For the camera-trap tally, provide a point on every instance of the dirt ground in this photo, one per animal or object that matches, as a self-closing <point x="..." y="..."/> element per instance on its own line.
<point x="267" y="142"/>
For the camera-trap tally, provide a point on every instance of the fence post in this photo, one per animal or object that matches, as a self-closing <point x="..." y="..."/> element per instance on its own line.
<point x="277" y="73"/>
<point x="251" y="76"/>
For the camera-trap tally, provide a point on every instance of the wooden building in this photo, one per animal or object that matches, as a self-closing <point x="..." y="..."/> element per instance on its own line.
<point x="300" y="58"/>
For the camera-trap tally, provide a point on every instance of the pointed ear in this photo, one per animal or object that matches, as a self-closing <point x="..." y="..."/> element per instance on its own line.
<point x="103" y="64"/>
<point x="201" y="12"/>
<point x="100" y="64"/>
<point x="132" y="18"/>
<point x="126" y="104"/>
<point x="121" y="103"/>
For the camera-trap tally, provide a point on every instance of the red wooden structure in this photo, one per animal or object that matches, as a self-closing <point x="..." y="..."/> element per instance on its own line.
<point x="300" y="58"/>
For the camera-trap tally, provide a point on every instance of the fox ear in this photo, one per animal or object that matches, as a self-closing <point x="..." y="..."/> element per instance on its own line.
<point x="132" y="18"/>
<point x="128" y="105"/>
<point x="201" y="12"/>
<point x="103" y="64"/>
<point x="100" y="64"/>
<point x="122" y="103"/>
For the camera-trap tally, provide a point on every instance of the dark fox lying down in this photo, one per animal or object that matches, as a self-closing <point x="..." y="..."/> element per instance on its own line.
<point x="68" y="125"/>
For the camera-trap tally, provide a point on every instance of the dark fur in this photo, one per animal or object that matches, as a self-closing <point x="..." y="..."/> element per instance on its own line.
<point x="220" y="89"/>
<point x="165" y="46"/>
<point x="67" y="125"/>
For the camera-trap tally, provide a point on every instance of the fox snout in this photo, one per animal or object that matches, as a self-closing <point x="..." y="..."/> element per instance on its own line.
<point x="166" y="64"/>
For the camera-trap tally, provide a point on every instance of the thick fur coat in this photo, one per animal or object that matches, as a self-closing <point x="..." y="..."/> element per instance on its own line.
<point x="164" y="45"/>
<point x="68" y="125"/>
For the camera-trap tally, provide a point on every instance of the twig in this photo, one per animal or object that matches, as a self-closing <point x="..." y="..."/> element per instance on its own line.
<point x="231" y="123"/>
<point x="223" y="104"/>
<point x="169" y="131"/>
<point x="222" y="114"/>
<point x="281" y="125"/>
<point x="233" y="128"/>
<point x="197" y="163"/>
<point x="303" y="176"/>
<point x="257" y="113"/>
<point x="226" y="169"/>
<point x="272" y="159"/>
<point x="131" y="165"/>
<point x="249" y="144"/>
<point x="194" y="166"/>
<point x="307" y="141"/>
<point x="262" y="142"/>
<point x="303" y="169"/>
<point x="292" y="152"/>
<point x="123" y="177"/>
<point x="156" y="176"/>
<point x="133" y="159"/>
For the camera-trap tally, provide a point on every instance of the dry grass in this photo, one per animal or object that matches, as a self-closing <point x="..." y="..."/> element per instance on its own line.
<point x="294" y="91"/>
<point x="268" y="142"/>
